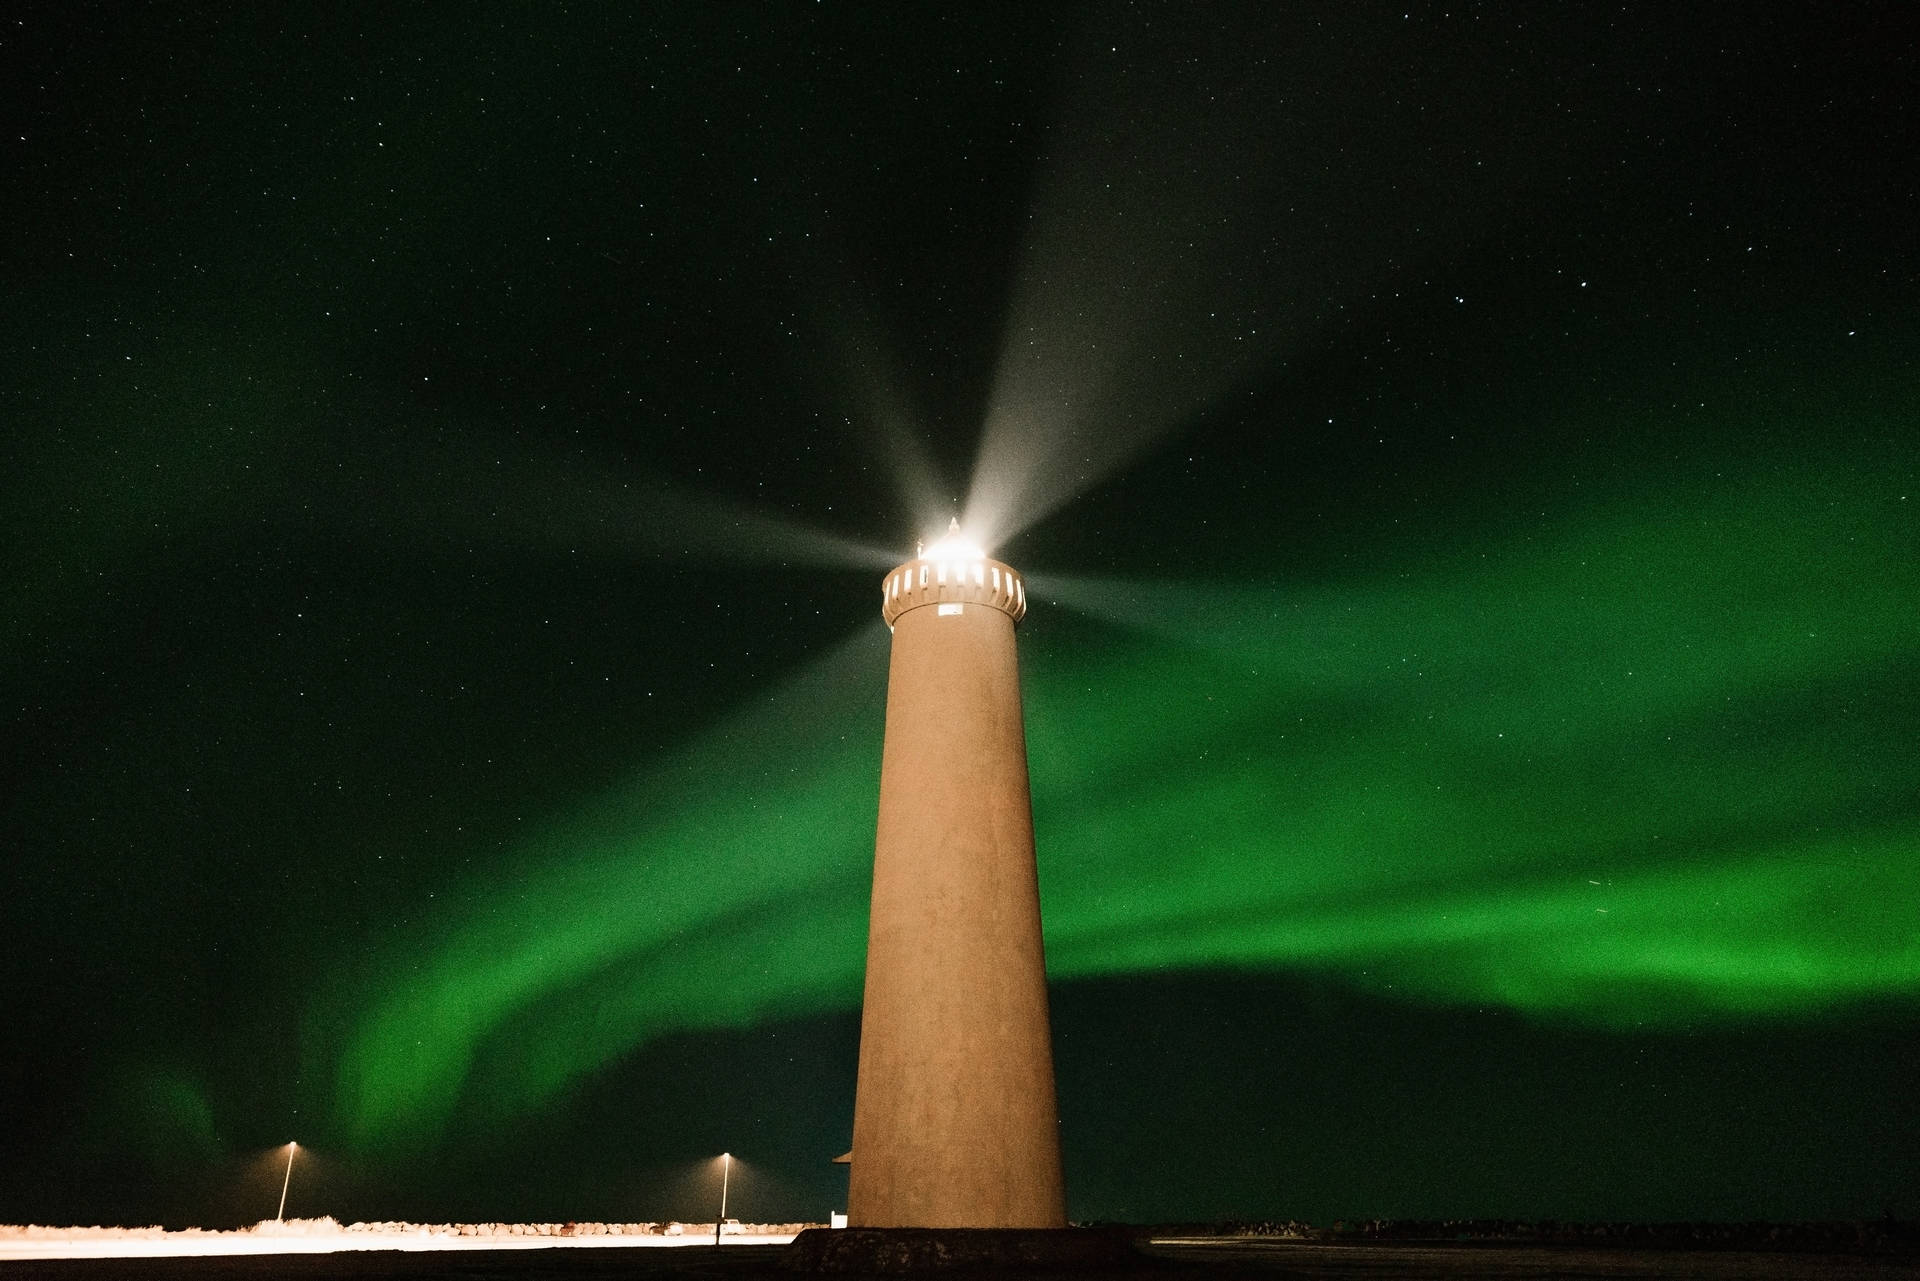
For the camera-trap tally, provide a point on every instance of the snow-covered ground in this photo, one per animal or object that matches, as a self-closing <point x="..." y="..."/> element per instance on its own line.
<point x="324" y="1236"/>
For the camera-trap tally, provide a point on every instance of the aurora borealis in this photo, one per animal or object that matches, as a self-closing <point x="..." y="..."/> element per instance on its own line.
<point x="1466" y="474"/>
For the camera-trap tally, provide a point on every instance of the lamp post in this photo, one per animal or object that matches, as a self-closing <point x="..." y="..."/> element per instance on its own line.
<point x="726" y="1171"/>
<point x="281" y="1216"/>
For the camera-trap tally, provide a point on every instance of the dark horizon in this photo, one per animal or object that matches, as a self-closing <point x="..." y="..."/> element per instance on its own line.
<point x="1463" y="467"/>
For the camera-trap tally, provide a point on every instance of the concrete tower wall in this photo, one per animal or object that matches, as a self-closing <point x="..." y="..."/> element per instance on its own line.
<point x="954" y="1118"/>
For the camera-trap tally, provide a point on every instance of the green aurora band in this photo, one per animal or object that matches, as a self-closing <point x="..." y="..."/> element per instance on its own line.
<point x="1650" y="765"/>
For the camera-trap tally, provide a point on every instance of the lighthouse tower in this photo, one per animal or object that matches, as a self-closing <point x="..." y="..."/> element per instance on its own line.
<point x="954" y="1120"/>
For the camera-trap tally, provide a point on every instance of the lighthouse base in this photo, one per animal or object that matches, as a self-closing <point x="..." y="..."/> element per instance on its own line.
<point x="902" y="1250"/>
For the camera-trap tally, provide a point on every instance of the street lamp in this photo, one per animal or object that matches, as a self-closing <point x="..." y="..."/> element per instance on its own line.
<point x="726" y="1170"/>
<point x="281" y="1217"/>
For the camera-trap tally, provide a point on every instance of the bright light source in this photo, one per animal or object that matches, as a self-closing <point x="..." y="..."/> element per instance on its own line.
<point x="953" y="545"/>
<point x="950" y="549"/>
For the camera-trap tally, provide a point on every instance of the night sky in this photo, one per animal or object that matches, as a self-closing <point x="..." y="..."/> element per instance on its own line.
<point x="1465" y="464"/>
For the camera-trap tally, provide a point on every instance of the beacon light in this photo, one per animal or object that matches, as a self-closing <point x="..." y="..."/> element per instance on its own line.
<point x="953" y="546"/>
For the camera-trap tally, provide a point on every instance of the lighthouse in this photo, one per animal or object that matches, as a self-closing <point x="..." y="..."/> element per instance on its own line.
<point x="955" y="1124"/>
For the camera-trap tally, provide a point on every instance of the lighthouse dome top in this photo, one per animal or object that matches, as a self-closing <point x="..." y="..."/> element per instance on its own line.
<point x="953" y="545"/>
<point x="953" y="573"/>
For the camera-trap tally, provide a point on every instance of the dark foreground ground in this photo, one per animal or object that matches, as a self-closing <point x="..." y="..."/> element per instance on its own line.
<point x="1188" y="1259"/>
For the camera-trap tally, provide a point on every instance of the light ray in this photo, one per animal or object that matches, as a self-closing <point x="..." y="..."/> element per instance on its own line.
<point x="884" y="418"/>
<point x="497" y="493"/>
<point x="1165" y="268"/>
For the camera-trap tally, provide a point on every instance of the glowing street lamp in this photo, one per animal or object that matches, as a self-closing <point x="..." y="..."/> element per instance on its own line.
<point x="726" y="1169"/>
<point x="281" y="1217"/>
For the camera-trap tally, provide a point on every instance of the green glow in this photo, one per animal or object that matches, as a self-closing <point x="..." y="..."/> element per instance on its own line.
<point x="1419" y="785"/>
<point x="649" y="912"/>
<point x="1650" y="764"/>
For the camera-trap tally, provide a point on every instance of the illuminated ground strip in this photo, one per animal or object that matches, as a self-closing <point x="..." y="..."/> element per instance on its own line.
<point x="107" y="1243"/>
